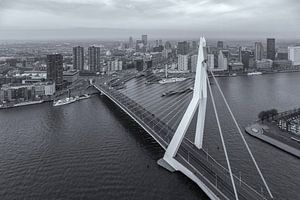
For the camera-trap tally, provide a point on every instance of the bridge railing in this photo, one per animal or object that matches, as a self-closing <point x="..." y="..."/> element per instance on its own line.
<point x="203" y="165"/>
<point x="219" y="175"/>
<point x="157" y="126"/>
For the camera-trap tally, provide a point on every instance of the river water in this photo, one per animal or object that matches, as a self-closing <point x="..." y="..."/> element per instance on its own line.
<point x="91" y="150"/>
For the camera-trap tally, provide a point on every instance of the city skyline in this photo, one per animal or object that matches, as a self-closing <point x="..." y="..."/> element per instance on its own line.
<point x="105" y="19"/>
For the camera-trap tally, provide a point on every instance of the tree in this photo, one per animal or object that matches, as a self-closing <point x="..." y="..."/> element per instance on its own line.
<point x="273" y="113"/>
<point x="262" y="115"/>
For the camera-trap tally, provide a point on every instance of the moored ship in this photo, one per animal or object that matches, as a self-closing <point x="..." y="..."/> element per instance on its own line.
<point x="254" y="73"/>
<point x="65" y="101"/>
<point x="171" y="80"/>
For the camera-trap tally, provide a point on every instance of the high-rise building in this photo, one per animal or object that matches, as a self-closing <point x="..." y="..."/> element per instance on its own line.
<point x="294" y="55"/>
<point x="222" y="61"/>
<point x="130" y="44"/>
<point x="210" y="61"/>
<point x="259" y="51"/>
<point x="271" y="52"/>
<point x="194" y="45"/>
<point x="139" y="64"/>
<point x="145" y="39"/>
<point x="282" y="54"/>
<point x="194" y="59"/>
<point x="78" y="58"/>
<point x="114" y="65"/>
<point x="240" y="54"/>
<point x="183" y="48"/>
<point x="139" y="46"/>
<point x="94" y="58"/>
<point x="220" y="45"/>
<point x="247" y="59"/>
<point x="168" y="45"/>
<point x="55" y="69"/>
<point x="183" y="62"/>
<point x="160" y="42"/>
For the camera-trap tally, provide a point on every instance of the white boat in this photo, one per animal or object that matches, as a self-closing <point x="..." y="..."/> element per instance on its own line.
<point x="254" y="73"/>
<point x="28" y="103"/>
<point x="65" y="101"/>
<point x="171" y="80"/>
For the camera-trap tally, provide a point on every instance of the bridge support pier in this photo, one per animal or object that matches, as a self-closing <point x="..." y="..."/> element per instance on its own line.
<point x="165" y="164"/>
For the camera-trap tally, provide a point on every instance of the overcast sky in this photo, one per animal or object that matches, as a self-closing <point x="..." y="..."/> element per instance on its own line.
<point x="279" y="18"/>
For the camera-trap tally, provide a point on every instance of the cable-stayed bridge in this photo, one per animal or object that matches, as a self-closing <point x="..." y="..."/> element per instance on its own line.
<point x="167" y="121"/>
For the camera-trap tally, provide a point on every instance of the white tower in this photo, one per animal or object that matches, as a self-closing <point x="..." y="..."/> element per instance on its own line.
<point x="198" y="101"/>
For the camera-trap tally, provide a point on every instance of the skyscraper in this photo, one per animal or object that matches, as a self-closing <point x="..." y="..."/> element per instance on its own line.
<point x="194" y="59"/>
<point x="130" y="43"/>
<point x="247" y="59"/>
<point x="259" y="51"/>
<point x="168" y="45"/>
<point x="160" y="42"/>
<point x="271" y="49"/>
<point x="183" y="62"/>
<point x="94" y="58"/>
<point x="220" y="44"/>
<point x="183" y="48"/>
<point x="211" y="61"/>
<point x="78" y="58"/>
<point x="194" y="45"/>
<point x="222" y="61"/>
<point x="294" y="55"/>
<point x="145" y="39"/>
<point x="55" y="69"/>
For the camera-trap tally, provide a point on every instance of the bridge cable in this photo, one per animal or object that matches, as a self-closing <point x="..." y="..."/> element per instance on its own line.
<point x="242" y="136"/>
<point x="223" y="142"/>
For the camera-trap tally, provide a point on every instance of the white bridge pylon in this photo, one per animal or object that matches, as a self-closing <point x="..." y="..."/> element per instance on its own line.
<point x="198" y="101"/>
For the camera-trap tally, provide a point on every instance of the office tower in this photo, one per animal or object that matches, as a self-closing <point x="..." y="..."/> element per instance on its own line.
<point x="160" y="43"/>
<point x="114" y="65"/>
<point x="130" y="44"/>
<point x="78" y="58"/>
<point x="139" y="46"/>
<point x="156" y="43"/>
<point x="240" y="54"/>
<point x="182" y="48"/>
<point x="282" y="54"/>
<point x="94" y="58"/>
<point x="145" y="39"/>
<point x="271" y="49"/>
<point x="210" y="61"/>
<point x="194" y="60"/>
<point x="247" y="59"/>
<point x="294" y="55"/>
<point x="183" y="61"/>
<point x="168" y="45"/>
<point x="259" y="51"/>
<point x="194" y="45"/>
<point x="220" y="45"/>
<point x="222" y="61"/>
<point x="55" y="69"/>
<point x="139" y="64"/>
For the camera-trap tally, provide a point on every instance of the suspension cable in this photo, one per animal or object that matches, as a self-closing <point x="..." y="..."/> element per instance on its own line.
<point x="242" y="136"/>
<point x="223" y="142"/>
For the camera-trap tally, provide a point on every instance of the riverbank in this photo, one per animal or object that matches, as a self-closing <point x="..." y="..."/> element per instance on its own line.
<point x="246" y="73"/>
<point x="270" y="135"/>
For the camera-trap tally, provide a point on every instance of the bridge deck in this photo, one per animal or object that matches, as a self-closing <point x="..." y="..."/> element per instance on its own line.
<point x="199" y="162"/>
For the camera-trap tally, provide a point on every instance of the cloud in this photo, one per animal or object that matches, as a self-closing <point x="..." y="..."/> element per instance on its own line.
<point x="208" y="15"/>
